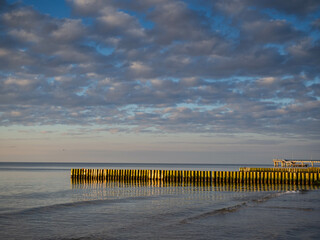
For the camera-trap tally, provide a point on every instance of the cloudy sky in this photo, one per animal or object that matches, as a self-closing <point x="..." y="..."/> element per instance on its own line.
<point x="234" y="81"/>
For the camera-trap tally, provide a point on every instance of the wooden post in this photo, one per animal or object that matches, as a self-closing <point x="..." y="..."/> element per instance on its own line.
<point x="227" y="176"/>
<point x="234" y="176"/>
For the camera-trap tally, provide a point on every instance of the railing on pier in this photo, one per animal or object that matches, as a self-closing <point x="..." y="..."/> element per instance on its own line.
<point x="294" y="162"/>
<point x="282" y="169"/>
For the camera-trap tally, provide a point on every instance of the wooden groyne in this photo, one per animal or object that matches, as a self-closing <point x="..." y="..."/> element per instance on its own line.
<point x="244" y="175"/>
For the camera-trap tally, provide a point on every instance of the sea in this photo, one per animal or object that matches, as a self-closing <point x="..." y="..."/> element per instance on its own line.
<point x="39" y="201"/>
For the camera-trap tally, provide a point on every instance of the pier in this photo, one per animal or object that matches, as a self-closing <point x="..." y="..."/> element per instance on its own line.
<point x="307" y="176"/>
<point x="294" y="162"/>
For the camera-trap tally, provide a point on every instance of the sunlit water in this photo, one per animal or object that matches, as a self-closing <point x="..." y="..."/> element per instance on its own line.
<point x="38" y="201"/>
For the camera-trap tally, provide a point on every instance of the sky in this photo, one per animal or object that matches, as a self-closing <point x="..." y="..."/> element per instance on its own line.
<point x="159" y="81"/>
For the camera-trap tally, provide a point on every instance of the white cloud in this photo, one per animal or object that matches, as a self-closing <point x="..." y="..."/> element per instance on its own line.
<point x="140" y="68"/>
<point x="23" y="35"/>
<point x="18" y="81"/>
<point x="267" y="80"/>
<point x="15" y="114"/>
<point x="69" y="30"/>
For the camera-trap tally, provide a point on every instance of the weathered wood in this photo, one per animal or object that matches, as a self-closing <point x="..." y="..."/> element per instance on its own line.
<point x="260" y="176"/>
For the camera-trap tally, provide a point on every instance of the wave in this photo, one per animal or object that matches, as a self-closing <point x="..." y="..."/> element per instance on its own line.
<point x="40" y="169"/>
<point x="293" y="208"/>
<point x="64" y="206"/>
<point x="34" y="195"/>
<point x="269" y="196"/>
<point x="215" y="212"/>
<point x="237" y="207"/>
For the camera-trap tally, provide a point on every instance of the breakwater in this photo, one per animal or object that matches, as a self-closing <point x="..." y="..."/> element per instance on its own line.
<point x="245" y="175"/>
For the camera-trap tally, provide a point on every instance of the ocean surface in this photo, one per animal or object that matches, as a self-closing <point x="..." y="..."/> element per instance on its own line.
<point x="39" y="201"/>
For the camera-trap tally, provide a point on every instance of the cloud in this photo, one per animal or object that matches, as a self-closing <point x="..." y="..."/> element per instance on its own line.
<point x="163" y="66"/>
<point x="173" y="21"/>
<point x="111" y="21"/>
<point x="271" y="31"/>
<point x="295" y="7"/>
<point x="68" y="31"/>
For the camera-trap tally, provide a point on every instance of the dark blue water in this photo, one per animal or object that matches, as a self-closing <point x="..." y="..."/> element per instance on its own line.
<point x="38" y="201"/>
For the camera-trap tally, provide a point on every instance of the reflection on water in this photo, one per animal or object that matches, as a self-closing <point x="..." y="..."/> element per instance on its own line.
<point x="199" y="186"/>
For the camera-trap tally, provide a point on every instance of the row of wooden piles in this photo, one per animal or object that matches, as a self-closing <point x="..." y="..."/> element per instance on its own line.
<point x="179" y="176"/>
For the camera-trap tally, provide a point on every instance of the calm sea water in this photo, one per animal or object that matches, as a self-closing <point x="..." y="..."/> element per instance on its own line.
<point x="38" y="201"/>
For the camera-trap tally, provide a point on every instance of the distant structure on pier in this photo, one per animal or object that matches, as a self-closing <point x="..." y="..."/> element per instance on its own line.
<point x="294" y="162"/>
